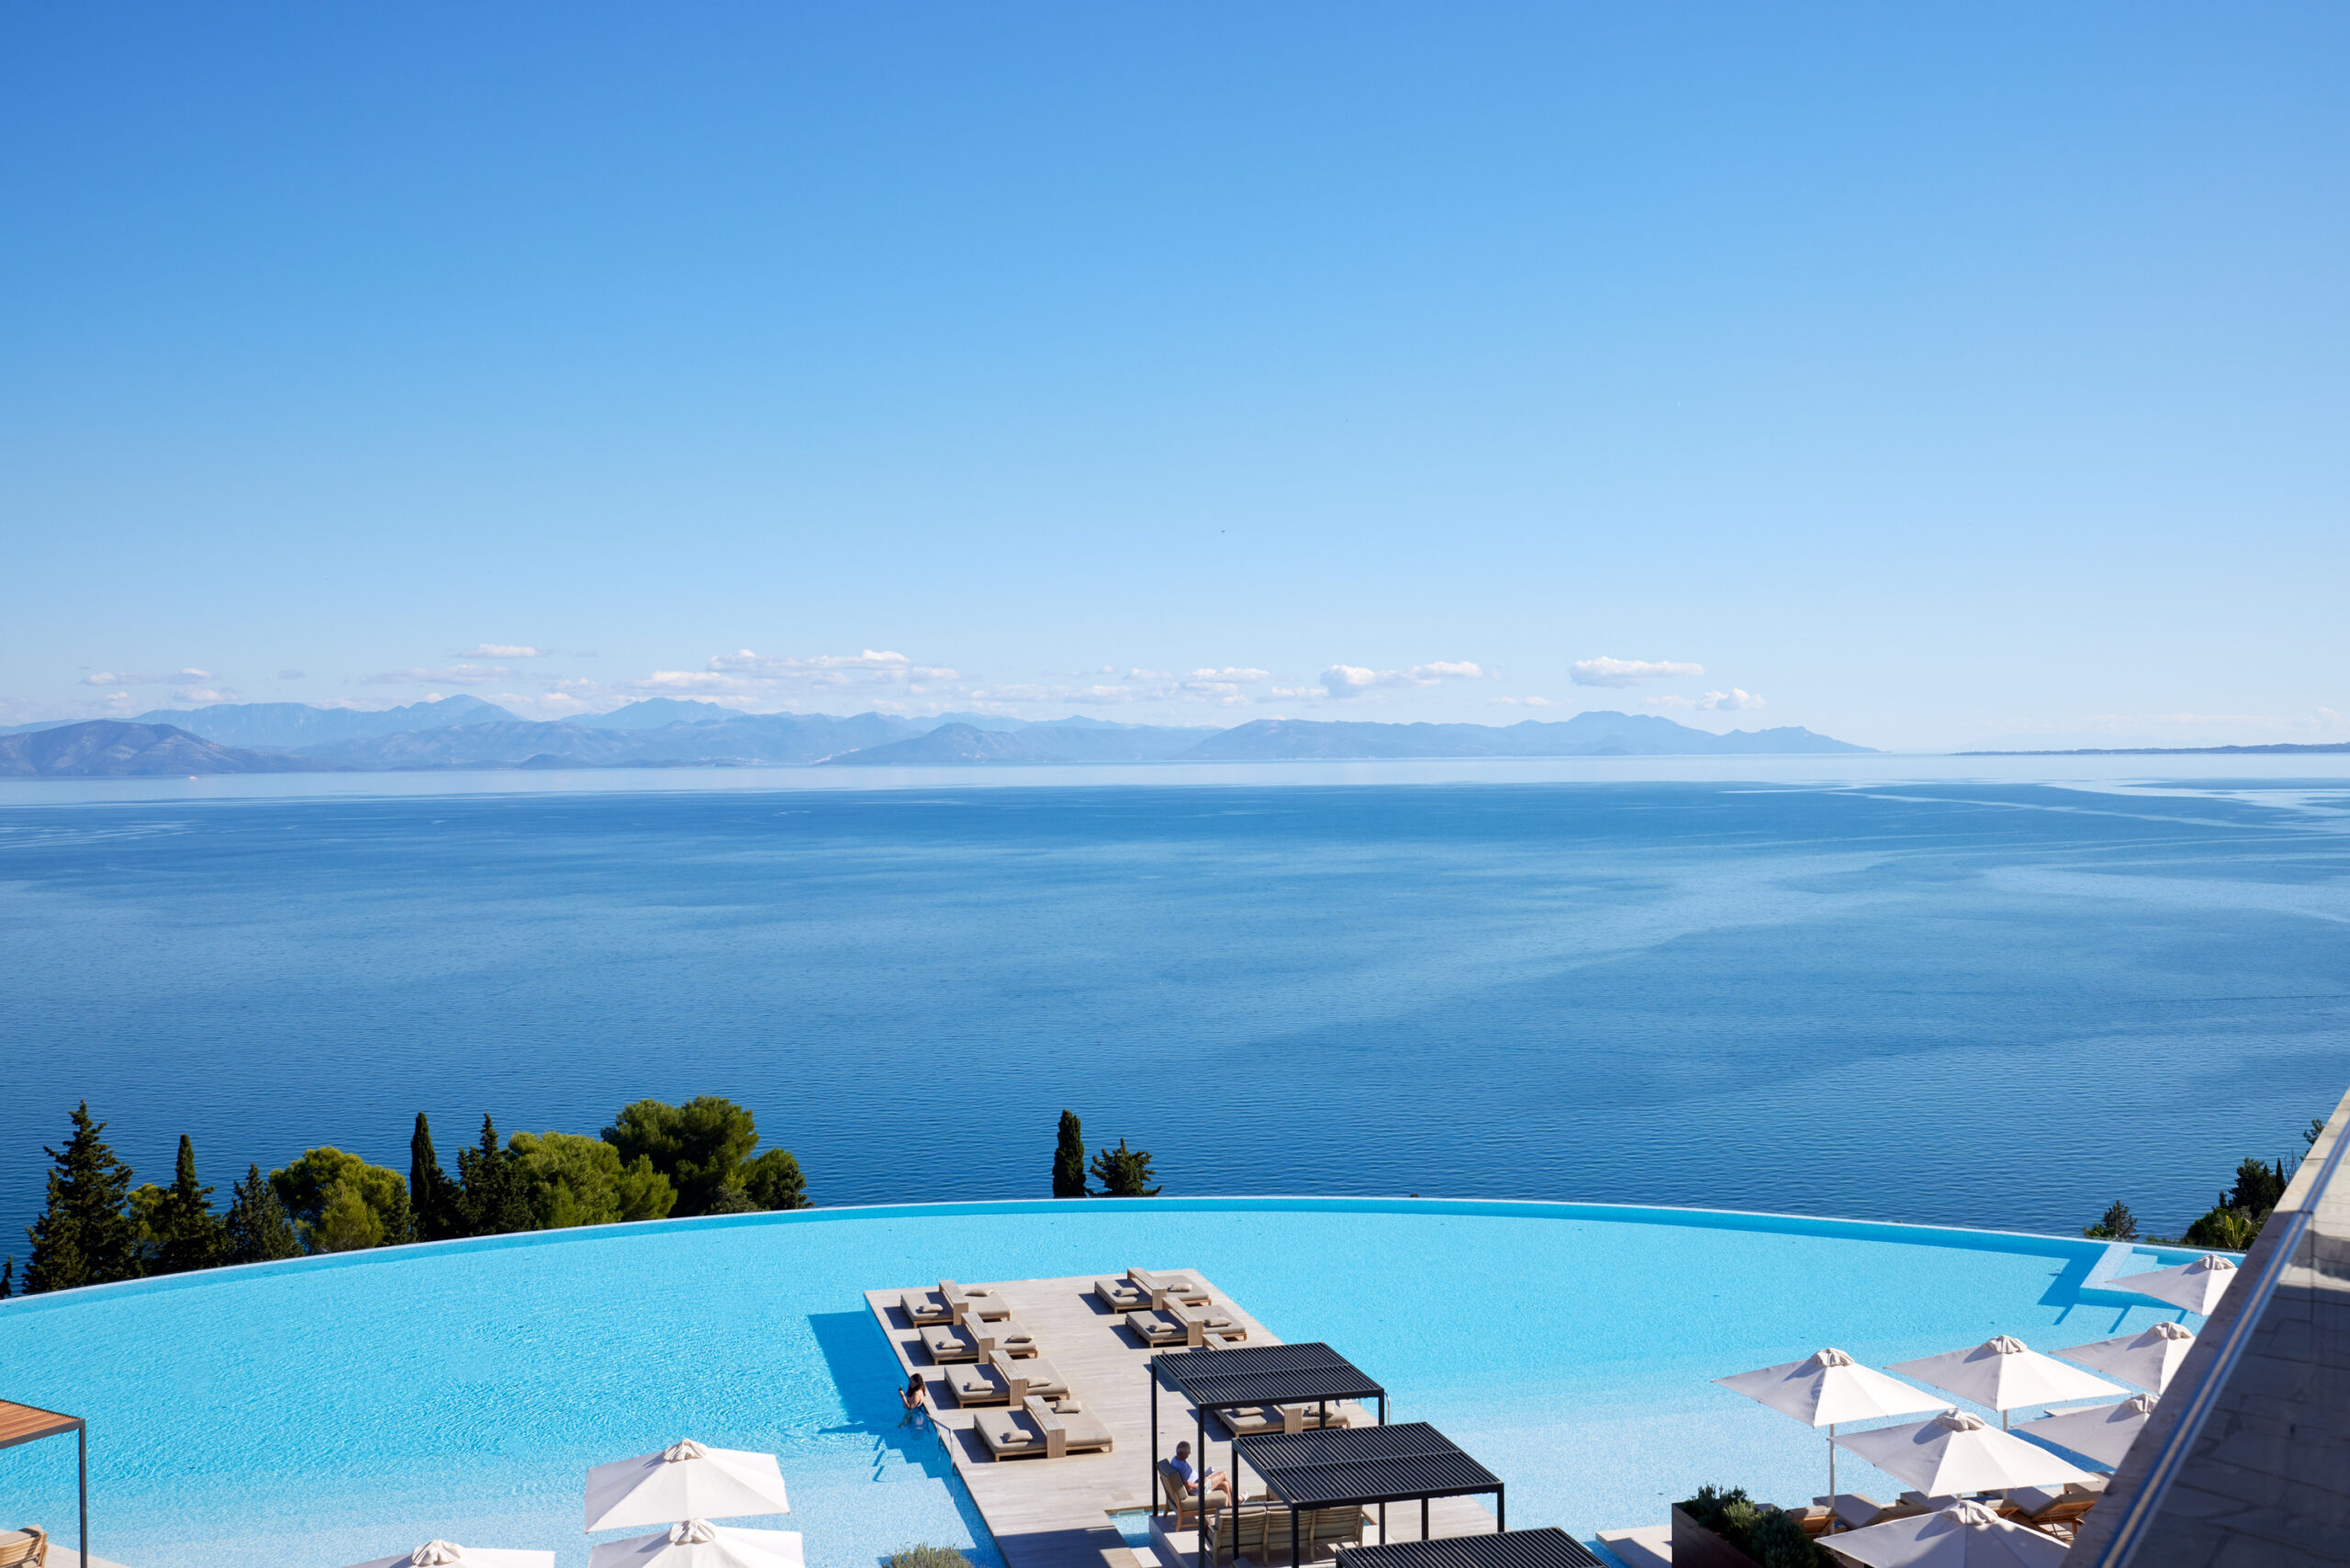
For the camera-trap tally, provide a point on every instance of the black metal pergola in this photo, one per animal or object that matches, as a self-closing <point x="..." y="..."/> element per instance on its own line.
<point x="29" y="1424"/>
<point x="1235" y="1377"/>
<point x="1337" y="1467"/>
<point x="1547" y="1548"/>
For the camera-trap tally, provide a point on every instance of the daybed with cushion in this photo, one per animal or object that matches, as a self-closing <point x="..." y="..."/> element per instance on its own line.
<point x="1253" y="1420"/>
<point x="28" y="1547"/>
<point x="1176" y="1324"/>
<point x="1121" y="1295"/>
<point x="1040" y="1428"/>
<point x="974" y="1341"/>
<point x="1171" y="1287"/>
<point x="1000" y="1380"/>
<point x="951" y="1303"/>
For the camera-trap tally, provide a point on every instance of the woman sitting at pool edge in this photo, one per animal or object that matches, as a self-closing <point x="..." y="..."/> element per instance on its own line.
<point x="913" y="1396"/>
<point x="1203" y="1487"/>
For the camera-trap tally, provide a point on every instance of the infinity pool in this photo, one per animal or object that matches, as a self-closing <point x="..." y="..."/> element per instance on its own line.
<point x="328" y="1410"/>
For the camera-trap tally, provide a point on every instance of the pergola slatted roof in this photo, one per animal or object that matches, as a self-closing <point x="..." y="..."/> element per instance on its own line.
<point x="1230" y="1377"/>
<point x="1343" y="1466"/>
<point x="1547" y="1548"/>
<point x="27" y="1423"/>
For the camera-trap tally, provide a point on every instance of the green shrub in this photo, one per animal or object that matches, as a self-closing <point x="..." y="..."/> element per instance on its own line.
<point x="927" y="1557"/>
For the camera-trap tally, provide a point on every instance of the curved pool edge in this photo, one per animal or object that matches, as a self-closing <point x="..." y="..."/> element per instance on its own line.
<point x="2088" y="1249"/>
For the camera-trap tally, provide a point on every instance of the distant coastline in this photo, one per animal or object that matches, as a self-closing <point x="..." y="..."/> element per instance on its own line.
<point x="465" y="735"/>
<point x="2279" y="748"/>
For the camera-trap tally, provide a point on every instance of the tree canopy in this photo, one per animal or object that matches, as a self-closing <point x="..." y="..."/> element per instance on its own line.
<point x="338" y="1203"/>
<point x="85" y="1234"/>
<point x="1123" y="1172"/>
<point x="1069" y="1158"/>
<point x="568" y="1179"/>
<point x="259" y="1230"/>
<point x="178" y="1230"/>
<point x="698" y="1146"/>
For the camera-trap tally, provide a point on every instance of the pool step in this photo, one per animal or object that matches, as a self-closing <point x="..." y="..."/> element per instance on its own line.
<point x="1651" y="1546"/>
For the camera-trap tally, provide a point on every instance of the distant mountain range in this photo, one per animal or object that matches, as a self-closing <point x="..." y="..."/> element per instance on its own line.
<point x="465" y="733"/>
<point x="112" y="748"/>
<point x="1586" y="734"/>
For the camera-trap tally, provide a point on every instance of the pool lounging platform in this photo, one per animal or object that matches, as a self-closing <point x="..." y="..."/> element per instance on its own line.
<point x="1057" y="1513"/>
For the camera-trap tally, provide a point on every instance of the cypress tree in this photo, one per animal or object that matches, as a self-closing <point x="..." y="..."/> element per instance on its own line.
<point x="8" y="1277"/>
<point x="1069" y="1158"/>
<point x="430" y="1193"/>
<point x="259" y="1231"/>
<point x="84" y="1236"/>
<point x="492" y="1197"/>
<point x="190" y="1236"/>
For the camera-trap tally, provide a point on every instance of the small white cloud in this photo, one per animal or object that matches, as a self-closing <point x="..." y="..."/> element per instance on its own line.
<point x="1627" y="672"/>
<point x="1731" y="701"/>
<point x="1522" y="702"/>
<point x="502" y="651"/>
<point x="114" y="678"/>
<point x="201" y="694"/>
<point x="1352" y="680"/>
<point x="1244" y="677"/>
<point x="291" y="675"/>
<point x="455" y="675"/>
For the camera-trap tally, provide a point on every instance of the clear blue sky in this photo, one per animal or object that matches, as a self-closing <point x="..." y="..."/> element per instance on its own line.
<point x="1929" y="373"/>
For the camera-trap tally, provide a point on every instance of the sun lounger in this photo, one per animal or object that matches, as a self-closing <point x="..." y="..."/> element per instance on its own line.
<point x="1171" y="1287"/>
<point x="1123" y="1295"/>
<point x="953" y="1342"/>
<point x="950" y="1303"/>
<point x="999" y="1380"/>
<point x="1216" y="1322"/>
<point x="1814" y="1520"/>
<point x="2056" y="1512"/>
<point x="1254" y="1420"/>
<point x="28" y="1547"/>
<point x="1040" y="1428"/>
<point x="1172" y="1329"/>
<point x="1855" y="1511"/>
<point x="971" y="1301"/>
<point x="1010" y="1337"/>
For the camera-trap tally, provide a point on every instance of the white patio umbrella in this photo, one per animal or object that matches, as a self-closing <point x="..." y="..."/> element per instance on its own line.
<point x="448" y="1554"/>
<point x="2104" y="1433"/>
<point x="2005" y="1374"/>
<point x="2148" y="1359"/>
<point x="2197" y="1287"/>
<point x="698" y="1543"/>
<point x="683" y="1480"/>
<point x="1965" y="1535"/>
<point x="1954" y="1454"/>
<point x="1829" y="1388"/>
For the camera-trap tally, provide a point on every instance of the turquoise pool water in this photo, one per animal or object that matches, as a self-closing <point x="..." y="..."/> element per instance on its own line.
<point x="328" y="1410"/>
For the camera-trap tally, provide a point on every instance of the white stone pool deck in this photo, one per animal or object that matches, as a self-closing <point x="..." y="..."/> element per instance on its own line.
<point x="1054" y="1513"/>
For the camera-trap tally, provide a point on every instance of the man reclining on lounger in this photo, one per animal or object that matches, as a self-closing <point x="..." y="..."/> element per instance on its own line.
<point x="1206" y="1489"/>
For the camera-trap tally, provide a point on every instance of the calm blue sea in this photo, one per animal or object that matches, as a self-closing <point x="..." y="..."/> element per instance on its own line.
<point x="1988" y="1002"/>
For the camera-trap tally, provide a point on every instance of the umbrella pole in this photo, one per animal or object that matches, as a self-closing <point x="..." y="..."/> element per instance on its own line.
<point x="1831" y="1476"/>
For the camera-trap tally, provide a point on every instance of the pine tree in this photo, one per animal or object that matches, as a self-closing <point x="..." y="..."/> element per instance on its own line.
<point x="8" y="1277"/>
<point x="491" y="1198"/>
<point x="2118" y="1224"/>
<point x="86" y="1236"/>
<point x="259" y="1230"/>
<point x="188" y="1235"/>
<point x="1069" y="1158"/>
<point x="430" y="1193"/>
<point x="1123" y="1172"/>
